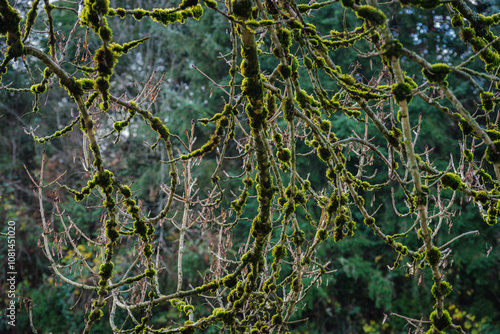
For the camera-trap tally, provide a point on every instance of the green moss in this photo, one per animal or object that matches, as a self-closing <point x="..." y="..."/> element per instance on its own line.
<point x="347" y="3"/>
<point x="446" y="289"/>
<point x="324" y="153"/>
<point x="372" y="15"/>
<point x="308" y="63"/>
<point x="437" y="73"/>
<point x="277" y="319"/>
<point x="491" y="156"/>
<point x="285" y="71"/>
<point x="369" y="221"/>
<point x="242" y="8"/>
<point x="166" y="16"/>
<point x="433" y="256"/>
<point x="96" y="315"/>
<point x="105" y="33"/>
<point x="285" y="38"/>
<point x="298" y="237"/>
<point x="210" y="3"/>
<point x="325" y="125"/>
<point x="147" y="250"/>
<point x="38" y="88"/>
<point x="150" y="273"/>
<point x="284" y="155"/>
<point x="288" y="109"/>
<point x="487" y="178"/>
<point x="230" y="281"/>
<point x="429" y="4"/>
<point x="300" y="198"/>
<point x="391" y="50"/>
<point x="188" y="3"/>
<point x="106" y="270"/>
<point x="468" y="155"/>
<point x="457" y="21"/>
<point x="452" y="181"/>
<point x="322" y="234"/>
<point x="440" y="323"/>
<point x="466" y="128"/>
<point x="105" y="60"/>
<point x="401" y="91"/>
<point x="487" y="100"/>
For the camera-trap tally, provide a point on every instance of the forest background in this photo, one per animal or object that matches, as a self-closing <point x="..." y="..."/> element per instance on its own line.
<point x="172" y="68"/>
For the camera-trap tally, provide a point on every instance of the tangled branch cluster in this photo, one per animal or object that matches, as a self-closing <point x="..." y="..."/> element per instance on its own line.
<point x="275" y="124"/>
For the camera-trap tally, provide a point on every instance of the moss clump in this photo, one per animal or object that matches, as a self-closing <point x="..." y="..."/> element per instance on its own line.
<point x="457" y="21"/>
<point x="229" y="281"/>
<point x="467" y="34"/>
<point x="279" y="251"/>
<point x="242" y="8"/>
<point x="452" y="181"/>
<point x="96" y="314"/>
<point x="105" y="33"/>
<point x="325" y="125"/>
<point x="491" y="156"/>
<point x="322" y="234"/>
<point x="284" y="155"/>
<point x="440" y="323"/>
<point x="106" y="270"/>
<point x="372" y="15"/>
<point x="465" y="127"/>
<point x="437" y="73"/>
<point x="211" y="3"/>
<point x="347" y="3"/>
<point x="150" y="273"/>
<point x="285" y="71"/>
<point x="38" y="88"/>
<point x="446" y="289"/>
<point x="485" y="176"/>
<point x="285" y="38"/>
<point x="277" y="319"/>
<point x="298" y="237"/>
<point x="433" y="256"/>
<point x="392" y="50"/>
<point x="487" y="100"/>
<point x="468" y="155"/>
<point x="188" y="3"/>
<point x="106" y="60"/>
<point x="401" y="91"/>
<point x="324" y="153"/>
<point x="308" y="63"/>
<point x="369" y="221"/>
<point x="429" y="4"/>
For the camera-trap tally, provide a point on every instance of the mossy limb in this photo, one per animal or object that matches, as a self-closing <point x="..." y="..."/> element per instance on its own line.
<point x="372" y="15"/>
<point x="440" y="323"/>
<point x="437" y="73"/>
<point x="452" y="181"/>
